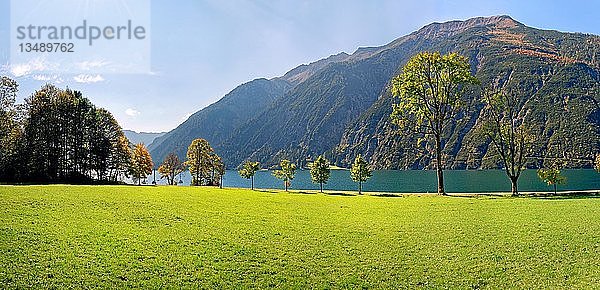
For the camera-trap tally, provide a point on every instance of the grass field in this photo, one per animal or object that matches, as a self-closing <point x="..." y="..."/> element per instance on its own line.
<point x="118" y="236"/>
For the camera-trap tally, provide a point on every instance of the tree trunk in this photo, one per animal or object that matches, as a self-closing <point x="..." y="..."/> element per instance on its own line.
<point x="285" y="185"/>
<point x="359" y="187"/>
<point x="514" y="185"/>
<point x="440" y="180"/>
<point x="252" y="182"/>
<point x="554" y="188"/>
<point x="321" y="187"/>
<point x="440" y="172"/>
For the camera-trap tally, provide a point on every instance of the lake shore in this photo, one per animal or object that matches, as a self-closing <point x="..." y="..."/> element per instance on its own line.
<point x="593" y="192"/>
<point x="563" y="193"/>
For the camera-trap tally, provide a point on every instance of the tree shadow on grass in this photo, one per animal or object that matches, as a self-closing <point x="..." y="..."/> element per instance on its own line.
<point x="560" y="196"/>
<point x="533" y="195"/>
<point x="283" y="191"/>
<point x="476" y="195"/>
<point x="303" y="192"/>
<point x="265" y="190"/>
<point x="389" y="195"/>
<point x="340" y="193"/>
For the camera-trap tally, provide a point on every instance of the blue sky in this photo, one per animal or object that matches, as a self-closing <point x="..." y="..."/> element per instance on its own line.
<point x="200" y="50"/>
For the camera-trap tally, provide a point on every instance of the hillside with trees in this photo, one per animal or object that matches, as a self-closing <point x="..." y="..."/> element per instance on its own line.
<point x="556" y="75"/>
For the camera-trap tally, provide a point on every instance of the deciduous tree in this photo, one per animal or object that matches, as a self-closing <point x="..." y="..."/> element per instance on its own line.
<point x="121" y="158"/>
<point x="170" y="167"/>
<point x="551" y="176"/>
<point x="320" y="171"/>
<point x="141" y="163"/>
<point x="248" y="171"/>
<point x="430" y="92"/>
<point x="504" y="125"/>
<point x="360" y="171"/>
<point x="217" y="171"/>
<point x="65" y="138"/>
<point x="286" y="173"/>
<point x="204" y="165"/>
<point x="9" y="128"/>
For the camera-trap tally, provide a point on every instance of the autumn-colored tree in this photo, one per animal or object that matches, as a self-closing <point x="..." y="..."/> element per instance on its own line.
<point x="141" y="163"/>
<point x="170" y="167"/>
<point x="430" y="93"/>
<point x="320" y="171"/>
<point x="248" y="171"/>
<point x="204" y="165"/>
<point x="286" y="173"/>
<point x="360" y="171"/>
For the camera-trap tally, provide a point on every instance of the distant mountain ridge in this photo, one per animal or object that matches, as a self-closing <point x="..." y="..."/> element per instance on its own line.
<point x="141" y="137"/>
<point x="217" y="122"/>
<point x="340" y="105"/>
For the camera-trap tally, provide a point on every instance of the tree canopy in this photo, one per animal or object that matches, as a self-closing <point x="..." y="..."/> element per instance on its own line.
<point x="320" y="171"/>
<point x="59" y="136"/>
<point x="551" y="176"/>
<point x="170" y="167"/>
<point x="430" y="93"/>
<point x="248" y="171"/>
<point x="360" y="171"/>
<point x="205" y="166"/>
<point x="9" y="129"/>
<point x="505" y="127"/>
<point x="141" y="163"/>
<point x="286" y="172"/>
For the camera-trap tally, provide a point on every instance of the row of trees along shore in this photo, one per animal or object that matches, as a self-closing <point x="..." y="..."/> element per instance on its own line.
<point x="204" y="165"/>
<point x="430" y="95"/>
<point x="60" y="136"/>
<point x="320" y="171"/>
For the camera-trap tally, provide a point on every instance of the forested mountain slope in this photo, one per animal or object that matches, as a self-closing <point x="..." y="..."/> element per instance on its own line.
<point x="340" y="106"/>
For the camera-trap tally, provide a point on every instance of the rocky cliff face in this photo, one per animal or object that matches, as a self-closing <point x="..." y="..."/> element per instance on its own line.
<point x="557" y="74"/>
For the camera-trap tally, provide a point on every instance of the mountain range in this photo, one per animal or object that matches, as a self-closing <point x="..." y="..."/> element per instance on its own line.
<point x="340" y="106"/>
<point x="145" y="138"/>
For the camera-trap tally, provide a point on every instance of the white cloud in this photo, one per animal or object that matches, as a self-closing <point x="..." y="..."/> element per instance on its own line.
<point x="93" y="64"/>
<point x="132" y="112"/>
<point x="19" y="70"/>
<point x="34" y="65"/>
<point x="86" y="79"/>
<point x="48" y="78"/>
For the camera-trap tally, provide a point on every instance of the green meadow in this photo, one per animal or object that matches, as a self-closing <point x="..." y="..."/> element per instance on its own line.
<point x="127" y="236"/>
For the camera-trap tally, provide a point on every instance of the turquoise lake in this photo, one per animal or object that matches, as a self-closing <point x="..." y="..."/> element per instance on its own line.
<point x="418" y="181"/>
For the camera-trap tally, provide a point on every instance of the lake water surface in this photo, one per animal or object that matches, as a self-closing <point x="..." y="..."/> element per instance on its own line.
<point x="418" y="181"/>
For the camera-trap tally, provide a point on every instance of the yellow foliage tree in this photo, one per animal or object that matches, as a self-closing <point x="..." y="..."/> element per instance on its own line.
<point x="141" y="163"/>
